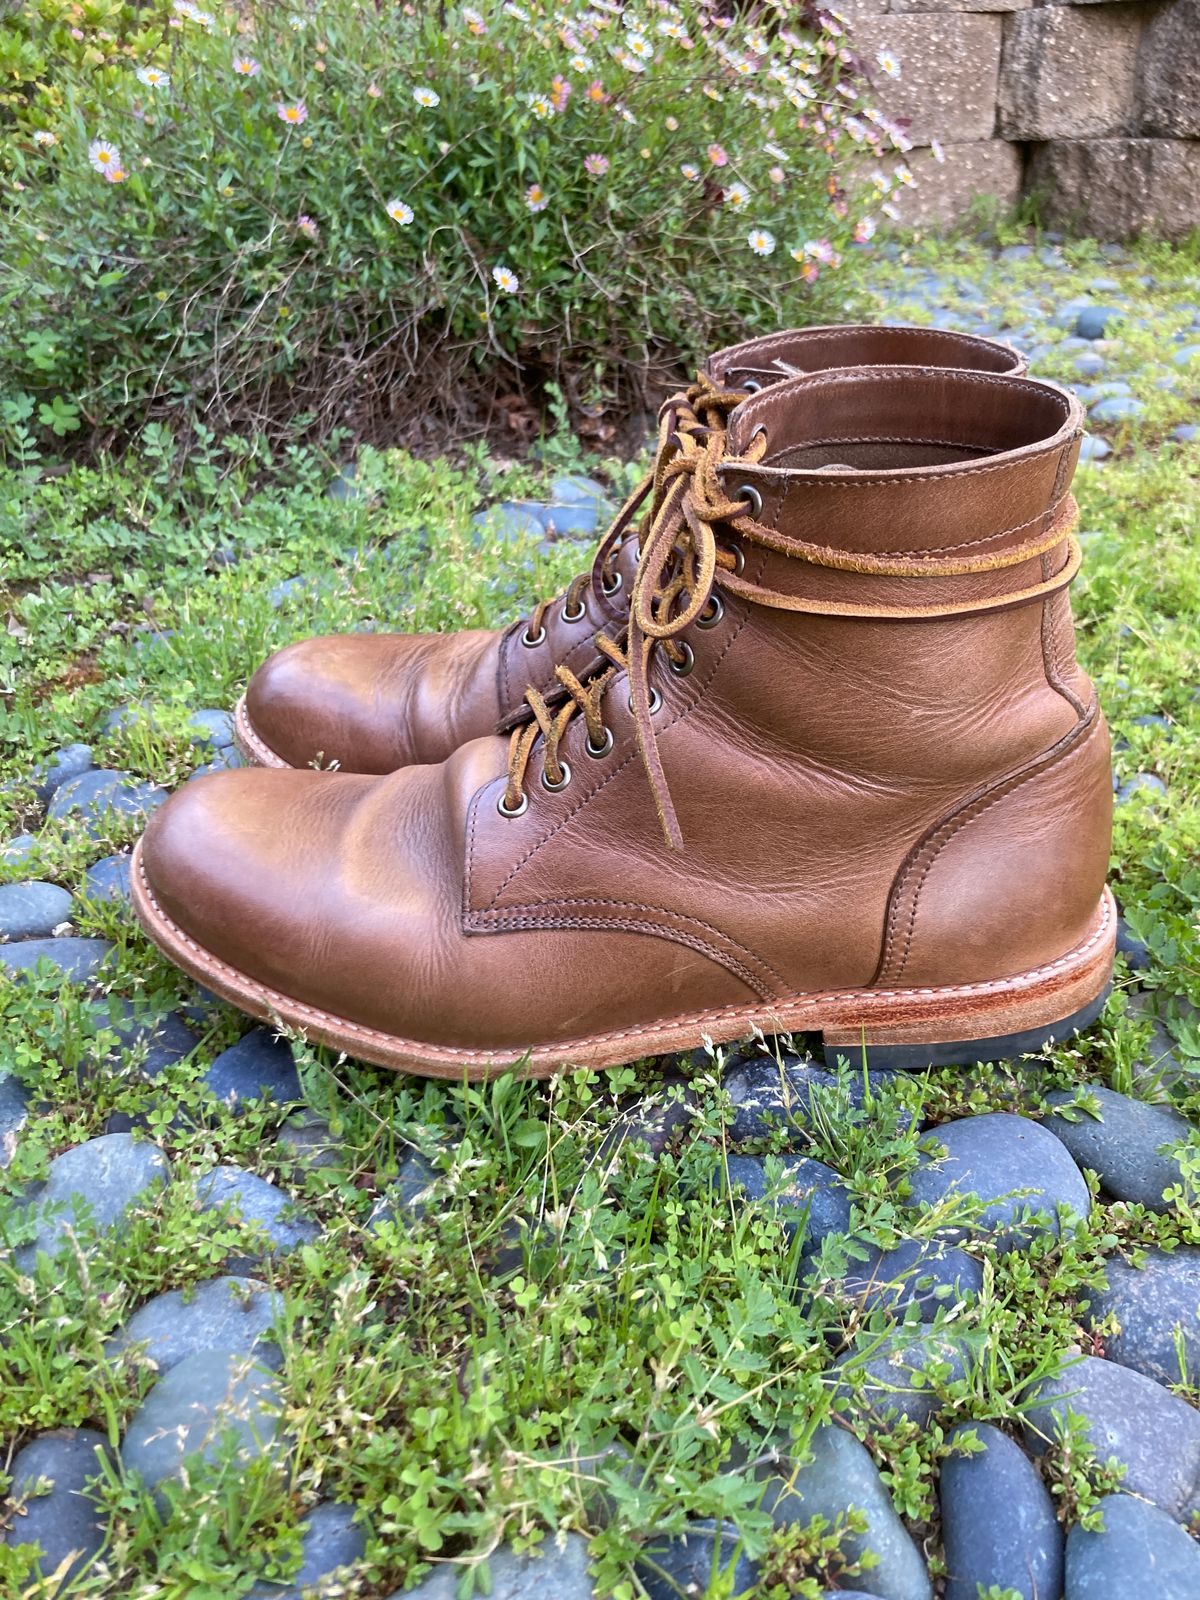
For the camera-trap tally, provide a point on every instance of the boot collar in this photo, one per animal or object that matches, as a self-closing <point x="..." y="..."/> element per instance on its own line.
<point x="925" y="465"/>
<point x="757" y="363"/>
<point x="743" y="370"/>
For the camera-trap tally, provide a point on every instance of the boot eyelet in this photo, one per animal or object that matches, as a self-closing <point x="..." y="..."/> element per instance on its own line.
<point x="739" y="559"/>
<point x="598" y="751"/>
<point x="517" y="811"/>
<point x="553" y="788"/>
<point x="577" y="615"/>
<point x="612" y="584"/>
<point x="532" y="640"/>
<point x="753" y="499"/>
<point x="655" y="702"/>
<point x="682" y="667"/>
<point x="712" y="613"/>
<point x="751" y="386"/>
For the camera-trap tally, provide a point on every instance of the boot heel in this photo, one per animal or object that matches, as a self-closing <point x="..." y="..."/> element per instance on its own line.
<point x="910" y="1029"/>
<point x="903" y="1057"/>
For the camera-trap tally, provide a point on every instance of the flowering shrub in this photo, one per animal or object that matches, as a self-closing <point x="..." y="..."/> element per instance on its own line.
<point x="343" y="211"/>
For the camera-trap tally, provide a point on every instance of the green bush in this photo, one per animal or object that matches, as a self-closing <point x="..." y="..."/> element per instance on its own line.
<point x="348" y="211"/>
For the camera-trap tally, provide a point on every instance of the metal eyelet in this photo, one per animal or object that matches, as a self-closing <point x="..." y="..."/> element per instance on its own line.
<point x="597" y="752"/>
<point x="739" y="559"/>
<point x="683" y="667"/>
<point x="752" y="386"/>
<point x="518" y="811"/>
<point x="612" y="584"/>
<point x="575" y="616"/>
<point x="655" y="701"/>
<point x="553" y="788"/>
<point x="532" y="640"/>
<point x="712" y="613"/>
<point x="751" y="495"/>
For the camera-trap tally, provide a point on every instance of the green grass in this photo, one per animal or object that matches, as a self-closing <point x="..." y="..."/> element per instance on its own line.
<point x="561" y="1296"/>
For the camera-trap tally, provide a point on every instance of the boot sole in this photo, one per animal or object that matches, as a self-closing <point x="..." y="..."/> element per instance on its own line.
<point x="250" y="744"/>
<point x="912" y="1028"/>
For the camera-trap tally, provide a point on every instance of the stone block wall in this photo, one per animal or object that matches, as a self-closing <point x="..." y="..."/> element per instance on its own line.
<point x="1093" y="104"/>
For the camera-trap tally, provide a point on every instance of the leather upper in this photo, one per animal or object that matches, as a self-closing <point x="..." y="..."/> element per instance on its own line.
<point x="375" y="702"/>
<point x="863" y="799"/>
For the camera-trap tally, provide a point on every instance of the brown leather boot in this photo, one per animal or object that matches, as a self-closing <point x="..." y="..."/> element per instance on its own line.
<point x="376" y="702"/>
<point x="841" y="774"/>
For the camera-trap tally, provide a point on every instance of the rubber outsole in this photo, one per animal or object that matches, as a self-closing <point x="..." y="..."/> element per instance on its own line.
<point x="1043" y="1001"/>
<point x="250" y="744"/>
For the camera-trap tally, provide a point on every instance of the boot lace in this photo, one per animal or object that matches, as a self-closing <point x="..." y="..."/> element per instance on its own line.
<point x="677" y="564"/>
<point x="700" y="409"/>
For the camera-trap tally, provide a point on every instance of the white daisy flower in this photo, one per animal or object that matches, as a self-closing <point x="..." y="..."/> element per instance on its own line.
<point x="399" y="212"/>
<point x="761" y="241"/>
<point x="44" y="136"/>
<point x="153" y="77"/>
<point x="888" y="63"/>
<point x="506" y="279"/>
<point x="737" y="196"/>
<point x="104" y="155"/>
<point x="427" y="97"/>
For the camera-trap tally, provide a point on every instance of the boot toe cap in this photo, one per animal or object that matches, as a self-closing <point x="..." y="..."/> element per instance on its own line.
<point x="229" y="863"/>
<point x="315" y="703"/>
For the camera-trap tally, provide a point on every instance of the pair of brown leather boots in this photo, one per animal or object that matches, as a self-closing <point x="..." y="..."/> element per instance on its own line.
<point x="807" y="749"/>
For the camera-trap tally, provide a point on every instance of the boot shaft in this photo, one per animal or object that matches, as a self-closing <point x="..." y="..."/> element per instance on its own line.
<point x="922" y="528"/>
<point x="563" y="633"/>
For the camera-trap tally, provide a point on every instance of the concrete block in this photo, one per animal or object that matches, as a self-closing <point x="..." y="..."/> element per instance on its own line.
<point x="946" y="190"/>
<point x="1115" y="188"/>
<point x="903" y="8"/>
<point x="949" y="70"/>
<point x="1168" y="86"/>
<point x="1069" y="73"/>
<point x="853" y="10"/>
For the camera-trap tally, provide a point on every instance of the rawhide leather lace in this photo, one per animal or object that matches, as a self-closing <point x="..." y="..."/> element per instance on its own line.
<point x="701" y="409"/>
<point x="680" y="565"/>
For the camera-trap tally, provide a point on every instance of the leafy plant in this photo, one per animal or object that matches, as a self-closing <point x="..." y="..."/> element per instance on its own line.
<point x="353" y="209"/>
